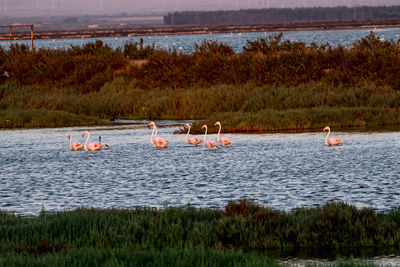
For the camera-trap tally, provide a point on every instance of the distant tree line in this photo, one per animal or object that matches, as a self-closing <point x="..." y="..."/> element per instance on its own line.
<point x="282" y="15"/>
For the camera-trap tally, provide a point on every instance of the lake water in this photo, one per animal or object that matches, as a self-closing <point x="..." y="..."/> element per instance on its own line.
<point x="280" y="170"/>
<point x="185" y="42"/>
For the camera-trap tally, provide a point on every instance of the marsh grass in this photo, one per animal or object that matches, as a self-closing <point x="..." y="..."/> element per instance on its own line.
<point x="16" y="118"/>
<point x="242" y="225"/>
<point x="241" y="108"/>
<point x="272" y="85"/>
<point x="192" y="236"/>
<point x="118" y="257"/>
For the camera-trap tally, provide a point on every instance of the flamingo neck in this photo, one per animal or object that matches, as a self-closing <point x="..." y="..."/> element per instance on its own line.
<point x="152" y="136"/>
<point x="155" y="134"/>
<point x="326" y="137"/>
<point x="187" y="135"/>
<point x="205" y="135"/>
<point x="70" y="143"/>
<point x="87" y="139"/>
<point x="219" y="131"/>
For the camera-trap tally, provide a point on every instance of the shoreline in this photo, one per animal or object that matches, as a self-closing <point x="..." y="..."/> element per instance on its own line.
<point x="238" y="130"/>
<point x="193" y="29"/>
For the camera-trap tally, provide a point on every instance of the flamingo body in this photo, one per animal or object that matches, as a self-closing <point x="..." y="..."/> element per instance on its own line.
<point x="192" y="140"/>
<point x="331" y="141"/>
<point x="156" y="141"/>
<point x="74" y="146"/>
<point x="208" y="143"/>
<point x="91" y="146"/>
<point x="225" y="141"/>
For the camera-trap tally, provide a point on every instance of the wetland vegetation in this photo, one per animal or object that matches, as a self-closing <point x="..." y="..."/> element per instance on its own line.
<point x="271" y="85"/>
<point x="235" y="235"/>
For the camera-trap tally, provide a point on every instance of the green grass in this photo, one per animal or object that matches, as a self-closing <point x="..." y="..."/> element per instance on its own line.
<point x="190" y="236"/>
<point x="242" y="225"/>
<point x="240" y="108"/>
<point x="118" y="257"/>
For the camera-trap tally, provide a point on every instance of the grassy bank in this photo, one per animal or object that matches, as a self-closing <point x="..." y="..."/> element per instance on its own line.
<point x="241" y="108"/>
<point x="271" y="86"/>
<point x="191" y="234"/>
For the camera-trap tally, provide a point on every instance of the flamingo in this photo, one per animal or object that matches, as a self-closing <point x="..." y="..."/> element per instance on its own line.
<point x="330" y="141"/>
<point x="225" y="141"/>
<point x="208" y="143"/>
<point x="192" y="140"/>
<point x="91" y="146"/>
<point x="103" y="146"/>
<point x="154" y="139"/>
<point x="74" y="146"/>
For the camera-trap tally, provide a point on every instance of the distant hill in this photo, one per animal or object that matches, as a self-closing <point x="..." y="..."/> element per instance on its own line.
<point x="283" y="15"/>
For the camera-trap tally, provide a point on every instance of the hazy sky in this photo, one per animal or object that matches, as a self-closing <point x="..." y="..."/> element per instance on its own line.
<point x="72" y="7"/>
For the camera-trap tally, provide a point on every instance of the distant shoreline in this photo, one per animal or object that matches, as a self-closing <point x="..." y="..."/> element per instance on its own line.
<point x="193" y="29"/>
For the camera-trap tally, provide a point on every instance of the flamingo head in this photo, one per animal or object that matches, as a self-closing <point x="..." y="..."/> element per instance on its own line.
<point x="69" y="137"/>
<point x="326" y="128"/>
<point x="85" y="132"/>
<point x="100" y="139"/>
<point x="217" y="123"/>
<point x="186" y="125"/>
<point x="204" y="126"/>
<point x="151" y="124"/>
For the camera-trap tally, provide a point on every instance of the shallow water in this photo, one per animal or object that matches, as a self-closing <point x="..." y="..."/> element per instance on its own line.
<point x="185" y="42"/>
<point x="283" y="171"/>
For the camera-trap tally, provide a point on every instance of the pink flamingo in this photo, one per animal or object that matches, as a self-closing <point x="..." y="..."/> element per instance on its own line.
<point x="91" y="146"/>
<point x="208" y="143"/>
<point x="192" y="140"/>
<point x="330" y="141"/>
<point x="74" y="146"/>
<point x="154" y="139"/>
<point x="225" y="141"/>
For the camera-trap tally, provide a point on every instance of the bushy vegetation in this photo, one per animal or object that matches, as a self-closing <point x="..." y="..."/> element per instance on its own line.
<point x="191" y="234"/>
<point x="271" y="85"/>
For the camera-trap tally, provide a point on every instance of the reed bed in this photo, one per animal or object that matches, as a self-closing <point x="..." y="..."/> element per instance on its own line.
<point x="241" y="108"/>
<point x="239" y="235"/>
<point x="126" y="257"/>
<point x="241" y="225"/>
<point x="271" y="85"/>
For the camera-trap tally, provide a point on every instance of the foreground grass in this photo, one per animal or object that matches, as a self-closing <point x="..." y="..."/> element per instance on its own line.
<point x="190" y="234"/>
<point x="242" y="225"/>
<point x="119" y="257"/>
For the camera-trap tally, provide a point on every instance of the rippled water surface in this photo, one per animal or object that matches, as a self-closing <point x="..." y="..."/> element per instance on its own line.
<point x="185" y="42"/>
<point x="283" y="171"/>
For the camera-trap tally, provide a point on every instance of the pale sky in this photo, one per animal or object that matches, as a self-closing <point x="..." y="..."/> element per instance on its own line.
<point x="110" y="7"/>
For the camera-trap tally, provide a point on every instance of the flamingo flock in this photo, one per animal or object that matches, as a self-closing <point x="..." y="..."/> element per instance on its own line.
<point x="159" y="142"/>
<point x="76" y="146"/>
